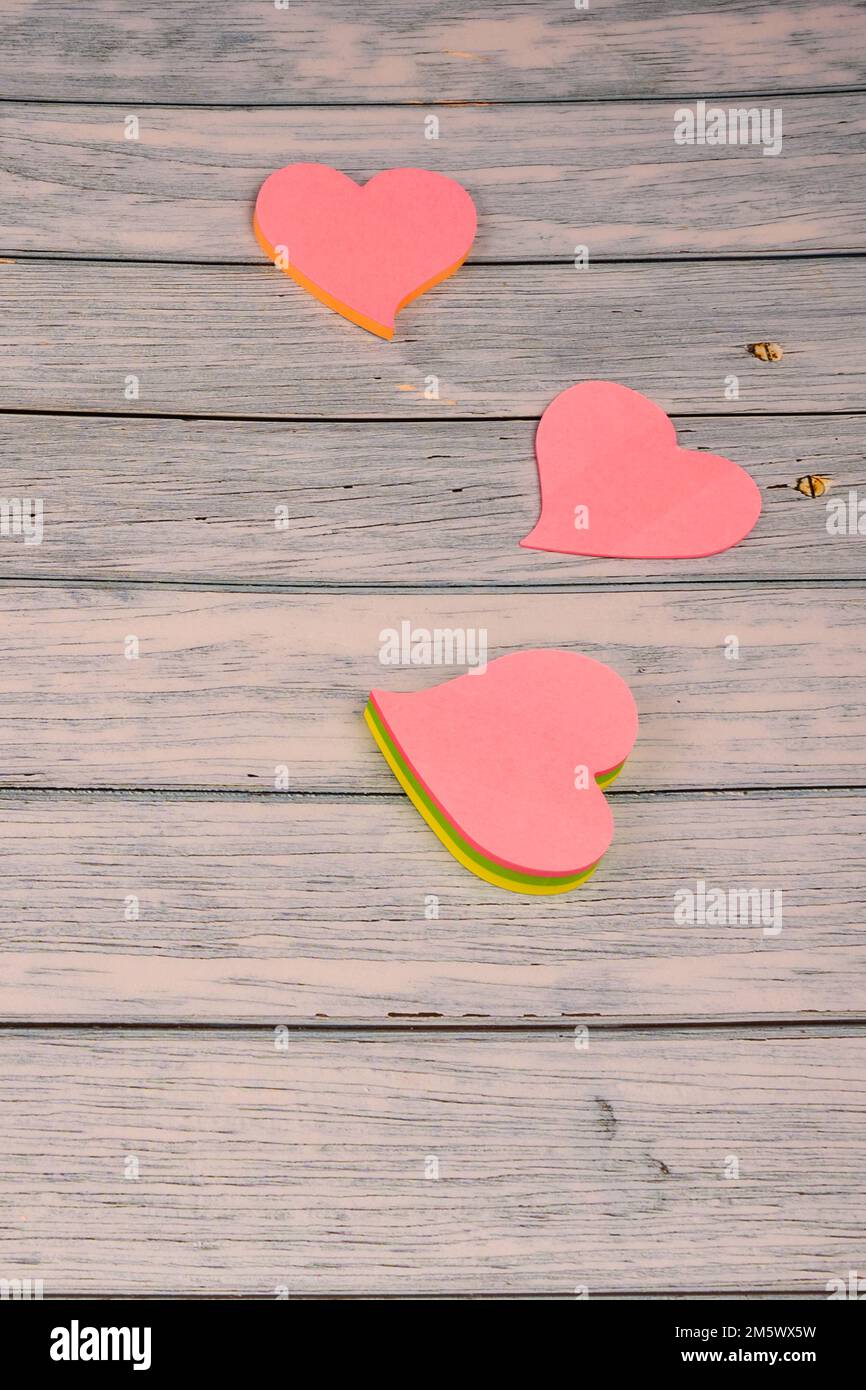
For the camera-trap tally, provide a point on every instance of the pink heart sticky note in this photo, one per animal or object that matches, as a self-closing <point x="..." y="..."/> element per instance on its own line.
<point x="505" y="765"/>
<point x="614" y="482"/>
<point x="366" y="251"/>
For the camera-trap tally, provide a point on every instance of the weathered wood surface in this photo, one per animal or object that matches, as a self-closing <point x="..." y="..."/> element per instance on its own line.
<point x="228" y="688"/>
<point x="501" y="341"/>
<point x="327" y="52"/>
<point x="428" y="505"/>
<point x="274" y="910"/>
<point x="303" y="1170"/>
<point x="545" y="178"/>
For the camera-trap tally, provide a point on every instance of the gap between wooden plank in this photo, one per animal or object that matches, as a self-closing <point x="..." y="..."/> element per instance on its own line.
<point x="330" y="796"/>
<point x="841" y="1025"/>
<point x="614" y="99"/>
<point x="705" y="258"/>
<point x="677" y="1296"/>
<point x="601" y="586"/>
<point x="397" y="420"/>
<point x="635" y="1295"/>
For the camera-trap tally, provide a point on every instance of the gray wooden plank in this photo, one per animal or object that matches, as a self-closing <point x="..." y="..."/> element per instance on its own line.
<point x="170" y="909"/>
<point x="546" y="178"/>
<point x="492" y="341"/>
<point x="324" y="51"/>
<point x="197" y="500"/>
<point x="229" y="688"/>
<point x="218" y="1163"/>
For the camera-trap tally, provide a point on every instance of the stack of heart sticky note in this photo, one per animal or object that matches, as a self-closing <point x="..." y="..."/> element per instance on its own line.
<point x="508" y="766"/>
<point x="615" y="484"/>
<point x="364" y="250"/>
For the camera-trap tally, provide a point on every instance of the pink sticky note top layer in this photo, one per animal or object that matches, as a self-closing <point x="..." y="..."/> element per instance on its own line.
<point x="608" y="449"/>
<point x="498" y="752"/>
<point x="368" y="248"/>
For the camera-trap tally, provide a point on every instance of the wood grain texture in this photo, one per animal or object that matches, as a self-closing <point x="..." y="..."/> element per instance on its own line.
<point x="434" y="504"/>
<point x="325" y="51"/>
<point x="274" y="910"/>
<point x="545" y="178"/>
<point x="297" y="1162"/>
<point x="246" y="340"/>
<point x="229" y="688"/>
<point x="304" y="1169"/>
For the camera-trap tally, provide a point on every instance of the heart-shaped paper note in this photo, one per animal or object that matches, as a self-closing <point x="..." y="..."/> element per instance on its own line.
<point x="366" y="251"/>
<point x="615" y="484"/>
<point x="507" y="767"/>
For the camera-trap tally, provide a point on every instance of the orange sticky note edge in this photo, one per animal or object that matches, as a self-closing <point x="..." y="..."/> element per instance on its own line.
<point x="365" y="251"/>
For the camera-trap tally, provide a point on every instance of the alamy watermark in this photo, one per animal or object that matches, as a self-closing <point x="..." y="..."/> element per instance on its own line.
<point x="438" y="646"/>
<point x="846" y="516"/>
<point x="720" y="907"/>
<point x="739" y="125"/>
<point x="852" y="1287"/>
<point x="21" y="1290"/>
<point x="22" y="517"/>
<point x="77" y="1343"/>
